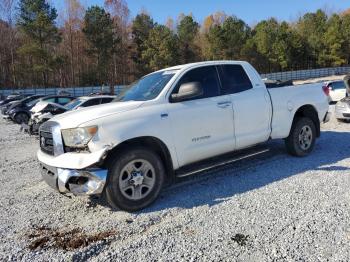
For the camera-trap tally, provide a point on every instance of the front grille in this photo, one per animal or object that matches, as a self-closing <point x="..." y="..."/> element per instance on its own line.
<point x="46" y="142"/>
<point x="46" y="138"/>
<point x="346" y="115"/>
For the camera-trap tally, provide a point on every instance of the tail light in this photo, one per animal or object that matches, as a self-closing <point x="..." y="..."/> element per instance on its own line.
<point x="326" y="90"/>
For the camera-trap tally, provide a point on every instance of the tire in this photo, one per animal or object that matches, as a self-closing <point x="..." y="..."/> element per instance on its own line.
<point x="302" y="137"/>
<point x="21" y="118"/>
<point x="123" y="189"/>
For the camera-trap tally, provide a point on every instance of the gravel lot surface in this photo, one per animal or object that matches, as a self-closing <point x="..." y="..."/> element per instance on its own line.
<point x="270" y="207"/>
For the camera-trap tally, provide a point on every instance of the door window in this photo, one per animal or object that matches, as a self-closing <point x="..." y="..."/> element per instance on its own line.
<point x="234" y="79"/>
<point x="63" y="100"/>
<point x="208" y="78"/>
<point x="91" y="102"/>
<point x="106" y="100"/>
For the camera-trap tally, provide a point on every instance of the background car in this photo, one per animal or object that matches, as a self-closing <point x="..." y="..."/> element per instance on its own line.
<point x="18" y="106"/>
<point x="11" y="99"/>
<point x="22" y="115"/>
<point x="342" y="109"/>
<point x="335" y="90"/>
<point x="42" y="112"/>
<point x="86" y="101"/>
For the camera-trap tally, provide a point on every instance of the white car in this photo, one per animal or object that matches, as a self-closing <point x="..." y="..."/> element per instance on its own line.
<point x="336" y="90"/>
<point x="342" y="109"/>
<point x="166" y="122"/>
<point x="43" y="111"/>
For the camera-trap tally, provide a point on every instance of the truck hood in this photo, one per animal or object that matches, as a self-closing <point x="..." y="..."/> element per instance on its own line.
<point x="76" y="118"/>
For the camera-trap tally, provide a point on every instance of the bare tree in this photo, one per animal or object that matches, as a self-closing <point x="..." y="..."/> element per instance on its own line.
<point x="7" y="12"/>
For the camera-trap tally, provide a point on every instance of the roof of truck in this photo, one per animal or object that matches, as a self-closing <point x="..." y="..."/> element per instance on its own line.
<point x="178" y="67"/>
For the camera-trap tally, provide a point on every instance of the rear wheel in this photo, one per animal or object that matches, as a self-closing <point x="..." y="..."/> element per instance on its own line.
<point x="21" y="118"/>
<point x="135" y="179"/>
<point x="302" y="137"/>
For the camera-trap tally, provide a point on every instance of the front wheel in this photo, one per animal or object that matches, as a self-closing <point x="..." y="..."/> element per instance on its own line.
<point x="21" y="118"/>
<point x="302" y="137"/>
<point x="135" y="179"/>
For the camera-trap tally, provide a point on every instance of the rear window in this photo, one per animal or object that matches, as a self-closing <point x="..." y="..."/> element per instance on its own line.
<point x="234" y="79"/>
<point x="338" y="85"/>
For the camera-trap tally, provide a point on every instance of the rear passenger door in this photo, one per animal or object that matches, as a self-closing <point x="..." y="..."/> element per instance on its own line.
<point x="202" y="127"/>
<point x="251" y="106"/>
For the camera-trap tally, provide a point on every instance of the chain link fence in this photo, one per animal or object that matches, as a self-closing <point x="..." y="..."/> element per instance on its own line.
<point x="306" y="74"/>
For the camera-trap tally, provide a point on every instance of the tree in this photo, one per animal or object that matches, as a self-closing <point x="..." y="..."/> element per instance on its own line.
<point x="37" y="22"/>
<point x="227" y="40"/>
<point x="312" y="27"/>
<point x="122" y="63"/>
<point x="9" y="43"/>
<point x="346" y="34"/>
<point x="98" y="30"/>
<point x="160" y="48"/>
<point x="334" y="42"/>
<point x="187" y="31"/>
<point x="73" y="39"/>
<point x="141" y="27"/>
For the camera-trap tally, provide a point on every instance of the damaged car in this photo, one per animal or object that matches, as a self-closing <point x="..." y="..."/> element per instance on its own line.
<point x="164" y="124"/>
<point x="44" y="111"/>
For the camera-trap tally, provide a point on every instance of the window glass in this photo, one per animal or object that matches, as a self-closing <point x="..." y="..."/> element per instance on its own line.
<point x="106" y="100"/>
<point x="338" y="85"/>
<point x="91" y="102"/>
<point x="52" y="100"/>
<point x="63" y="100"/>
<point x="234" y="79"/>
<point x="208" y="78"/>
<point x="72" y="104"/>
<point x="147" y="88"/>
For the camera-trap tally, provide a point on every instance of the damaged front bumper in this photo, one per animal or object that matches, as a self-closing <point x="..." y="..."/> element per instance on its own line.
<point x="78" y="182"/>
<point x="73" y="172"/>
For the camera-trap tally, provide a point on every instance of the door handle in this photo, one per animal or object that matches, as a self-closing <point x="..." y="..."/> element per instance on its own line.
<point x="224" y="104"/>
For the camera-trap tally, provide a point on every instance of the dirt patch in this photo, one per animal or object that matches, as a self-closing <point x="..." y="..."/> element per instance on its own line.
<point x="44" y="237"/>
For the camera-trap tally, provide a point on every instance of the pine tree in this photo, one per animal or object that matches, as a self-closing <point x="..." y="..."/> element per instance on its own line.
<point x="37" y="22"/>
<point x="98" y="30"/>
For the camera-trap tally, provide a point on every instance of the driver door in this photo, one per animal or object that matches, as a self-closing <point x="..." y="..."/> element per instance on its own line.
<point x="202" y="127"/>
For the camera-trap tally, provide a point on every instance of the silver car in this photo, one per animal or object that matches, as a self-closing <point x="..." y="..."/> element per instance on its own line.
<point x="342" y="109"/>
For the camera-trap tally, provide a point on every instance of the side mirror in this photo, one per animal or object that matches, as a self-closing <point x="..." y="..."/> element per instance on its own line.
<point x="188" y="91"/>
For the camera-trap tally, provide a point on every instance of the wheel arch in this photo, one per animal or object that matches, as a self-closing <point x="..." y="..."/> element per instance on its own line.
<point x="310" y="112"/>
<point x="155" y="144"/>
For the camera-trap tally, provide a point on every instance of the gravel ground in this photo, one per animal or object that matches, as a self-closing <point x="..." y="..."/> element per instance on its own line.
<point x="271" y="207"/>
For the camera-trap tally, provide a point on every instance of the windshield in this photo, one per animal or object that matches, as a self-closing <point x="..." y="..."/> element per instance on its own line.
<point x="147" y="88"/>
<point x="33" y="102"/>
<point x="73" y="103"/>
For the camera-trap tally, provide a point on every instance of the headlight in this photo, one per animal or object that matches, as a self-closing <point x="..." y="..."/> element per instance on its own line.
<point x="78" y="137"/>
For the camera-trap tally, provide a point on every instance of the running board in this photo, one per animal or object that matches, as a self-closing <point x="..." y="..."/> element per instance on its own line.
<point x="221" y="161"/>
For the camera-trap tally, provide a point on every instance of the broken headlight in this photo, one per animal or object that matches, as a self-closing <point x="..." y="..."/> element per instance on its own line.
<point x="78" y="137"/>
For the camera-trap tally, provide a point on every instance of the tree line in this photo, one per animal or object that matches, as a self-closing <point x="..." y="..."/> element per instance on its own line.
<point x="103" y="45"/>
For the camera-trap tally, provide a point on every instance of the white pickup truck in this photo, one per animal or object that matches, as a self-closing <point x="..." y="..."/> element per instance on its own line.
<point x="168" y="121"/>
